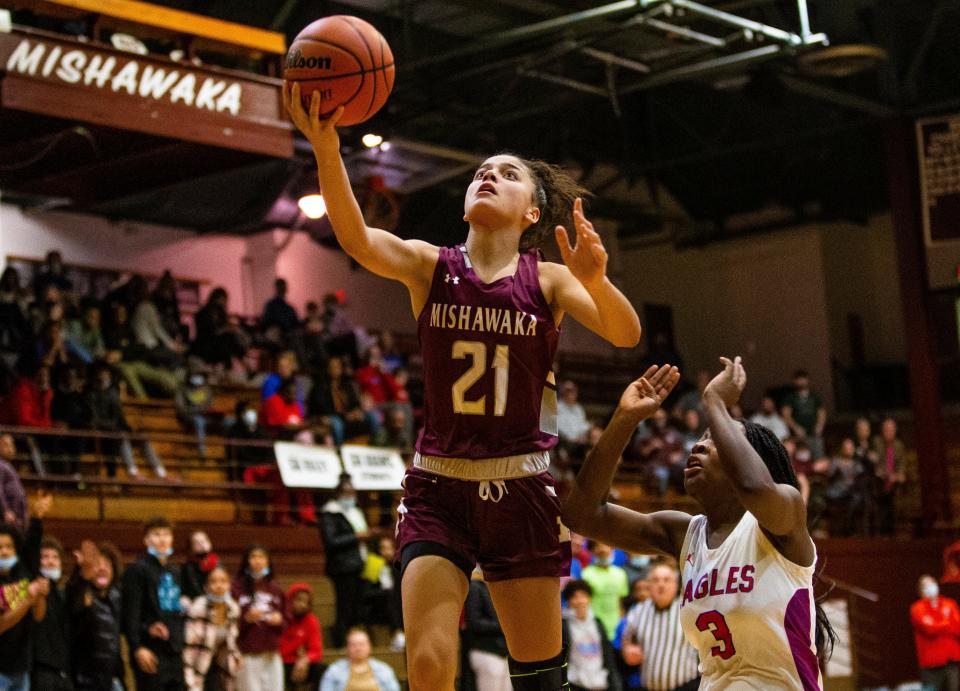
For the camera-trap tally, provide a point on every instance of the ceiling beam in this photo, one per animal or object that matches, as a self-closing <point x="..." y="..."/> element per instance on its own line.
<point x="838" y="97"/>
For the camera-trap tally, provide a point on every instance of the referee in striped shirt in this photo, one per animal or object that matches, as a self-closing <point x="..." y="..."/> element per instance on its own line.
<point x="653" y="638"/>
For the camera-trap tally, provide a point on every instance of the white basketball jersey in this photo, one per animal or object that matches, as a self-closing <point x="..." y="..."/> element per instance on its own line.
<point x="748" y="611"/>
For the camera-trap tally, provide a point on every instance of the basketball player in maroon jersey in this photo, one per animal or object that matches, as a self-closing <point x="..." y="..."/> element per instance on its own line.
<point x="488" y="316"/>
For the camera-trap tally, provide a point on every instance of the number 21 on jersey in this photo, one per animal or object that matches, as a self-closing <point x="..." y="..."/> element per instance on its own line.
<point x="477" y="352"/>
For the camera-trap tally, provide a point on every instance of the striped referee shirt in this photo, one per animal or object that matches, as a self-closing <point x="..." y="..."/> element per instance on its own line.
<point x="668" y="660"/>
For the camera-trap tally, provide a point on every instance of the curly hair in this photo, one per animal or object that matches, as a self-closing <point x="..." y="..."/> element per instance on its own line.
<point x="554" y="192"/>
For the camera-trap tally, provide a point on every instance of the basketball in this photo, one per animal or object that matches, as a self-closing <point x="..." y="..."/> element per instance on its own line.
<point x="348" y="61"/>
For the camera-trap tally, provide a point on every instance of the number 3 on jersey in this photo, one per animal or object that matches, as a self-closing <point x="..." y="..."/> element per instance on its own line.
<point x="714" y="622"/>
<point x="477" y="352"/>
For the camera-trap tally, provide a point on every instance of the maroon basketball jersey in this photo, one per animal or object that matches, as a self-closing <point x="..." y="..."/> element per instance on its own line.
<point x="487" y="353"/>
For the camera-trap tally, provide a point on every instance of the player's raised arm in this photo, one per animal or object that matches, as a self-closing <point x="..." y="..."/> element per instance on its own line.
<point x="583" y="289"/>
<point x="778" y="508"/>
<point x="587" y="511"/>
<point x="379" y="251"/>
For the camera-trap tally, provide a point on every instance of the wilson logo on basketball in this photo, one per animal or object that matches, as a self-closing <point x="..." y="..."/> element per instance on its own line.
<point x="295" y="60"/>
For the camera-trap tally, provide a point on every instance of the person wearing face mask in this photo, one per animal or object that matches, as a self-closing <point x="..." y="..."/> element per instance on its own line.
<point x="23" y="600"/>
<point x="262" y="619"/>
<point x="210" y="648"/>
<point x="51" y="651"/>
<point x="201" y="561"/>
<point x="153" y="609"/>
<point x="609" y="584"/>
<point x="936" y="632"/>
<point x="93" y="608"/>
<point x="193" y="400"/>
<point x="592" y="661"/>
<point x="343" y="529"/>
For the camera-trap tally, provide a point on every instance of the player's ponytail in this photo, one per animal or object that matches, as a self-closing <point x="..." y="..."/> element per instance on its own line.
<point x="554" y="192"/>
<point x="770" y="449"/>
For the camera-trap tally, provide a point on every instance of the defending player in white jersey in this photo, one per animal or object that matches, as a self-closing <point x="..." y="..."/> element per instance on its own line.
<point x="747" y="561"/>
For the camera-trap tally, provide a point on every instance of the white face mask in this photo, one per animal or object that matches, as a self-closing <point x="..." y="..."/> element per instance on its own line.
<point x="52" y="574"/>
<point x="931" y="590"/>
<point x="250" y="418"/>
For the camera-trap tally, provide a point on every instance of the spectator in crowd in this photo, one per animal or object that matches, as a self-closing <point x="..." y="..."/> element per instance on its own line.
<point x="23" y="600"/>
<point x="69" y="409"/>
<point x="591" y="661"/>
<point x="770" y="418"/>
<point x="48" y="308"/>
<point x="384" y="389"/>
<point x="805" y="414"/>
<point x="863" y="441"/>
<point x="15" y="329"/>
<point x="661" y="450"/>
<point x="93" y="606"/>
<point x="608" y="584"/>
<point x="283" y="411"/>
<point x="31" y="404"/>
<point x="52" y="273"/>
<point x="803" y="461"/>
<point x="194" y="400"/>
<point x="153" y="612"/>
<point x="165" y="299"/>
<point x="692" y="429"/>
<point x="341" y="340"/>
<point x="572" y="422"/>
<point x="483" y="638"/>
<point x="654" y="639"/>
<point x="335" y="398"/>
<point x="201" y="560"/>
<point x="313" y="340"/>
<point x="636" y="566"/>
<point x="278" y="313"/>
<point x="382" y="597"/>
<point x="343" y="527"/>
<point x="936" y="632"/>
<point x="84" y="336"/>
<point x="211" y="658"/>
<point x="393" y="359"/>
<point x="358" y="670"/>
<point x="13" y="497"/>
<point x="286" y="368"/>
<point x="217" y="339"/>
<point x="691" y="399"/>
<point x="262" y="618"/>
<point x="891" y="473"/>
<point x="124" y="352"/>
<point x="106" y="415"/>
<point x="51" y="647"/>
<point x="246" y="428"/>
<point x="301" y="644"/>
<point x="51" y="350"/>
<point x="847" y="491"/>
<point x="159" y="347"/>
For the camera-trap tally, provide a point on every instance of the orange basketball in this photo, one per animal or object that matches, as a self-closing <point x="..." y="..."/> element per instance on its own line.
<point x="347" y="61"/>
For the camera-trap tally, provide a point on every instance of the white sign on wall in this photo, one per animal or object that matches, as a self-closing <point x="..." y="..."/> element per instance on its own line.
<point x="302" y="465"/>
<point x="373" y="468"/>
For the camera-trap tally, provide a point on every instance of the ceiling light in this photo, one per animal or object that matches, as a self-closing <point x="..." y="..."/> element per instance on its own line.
<point x="371" y="140"/>
<point x="312" y="206"/>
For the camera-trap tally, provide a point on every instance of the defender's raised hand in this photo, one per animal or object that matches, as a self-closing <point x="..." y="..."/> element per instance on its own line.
<point x="729" y="384"/>
<point x="644" y="396"/>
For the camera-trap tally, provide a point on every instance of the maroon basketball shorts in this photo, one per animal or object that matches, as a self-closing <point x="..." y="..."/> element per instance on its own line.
<point x="510" y="527"/>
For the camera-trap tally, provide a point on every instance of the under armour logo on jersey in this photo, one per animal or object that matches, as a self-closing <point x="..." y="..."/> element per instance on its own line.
<point x="690" y="557"/>
<point x="455" y="279"/>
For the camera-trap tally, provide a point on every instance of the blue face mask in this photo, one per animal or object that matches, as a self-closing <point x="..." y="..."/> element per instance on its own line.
<point x="259" y="574"/>
<point x="52" y="574"/>
<point x="8" y="563"/>
<point x="217" y="599"/>
<point x="639" y="561"/>
<point x="348" y="503"/>
<point x="154" y="552"/>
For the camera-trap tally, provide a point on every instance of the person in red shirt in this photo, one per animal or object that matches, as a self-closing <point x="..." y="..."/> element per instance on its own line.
<point x="936" y="631"/>
<point x="301" y="644"/>
<point x="283" y="415"/>
<point x="31" y="400"/>
<point x="385" y="391"/>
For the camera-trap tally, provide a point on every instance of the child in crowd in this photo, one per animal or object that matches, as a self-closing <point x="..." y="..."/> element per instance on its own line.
<point x="301" y="644"/>
<point x="93" y="609"/>
<point x="200" y="562"/>
<point x="51" y="650"/>
<point x="210" y="636"/>
<point x="262" y="618"/>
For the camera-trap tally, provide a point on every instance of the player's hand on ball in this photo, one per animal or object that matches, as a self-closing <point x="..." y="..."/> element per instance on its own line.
<point x="729" y="384"/>
<point x="587" y="260"/>
<point x="322" y="134"/>
<point x="644" y="396"/>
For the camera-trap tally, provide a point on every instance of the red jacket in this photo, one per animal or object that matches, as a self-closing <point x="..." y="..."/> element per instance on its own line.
<point x="31" y="406"/>
<point x="279" y="413"/>
<point x="382" y="386"/>
<point x="301" y="633"/>
<point x="936" y="631"/>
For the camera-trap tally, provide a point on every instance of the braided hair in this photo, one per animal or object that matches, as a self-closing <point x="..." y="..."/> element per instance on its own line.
<point x="775" y="457"/>
<point x="554" y="192"/>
